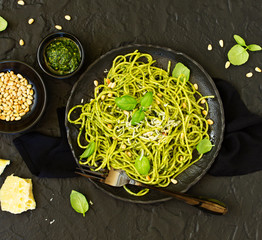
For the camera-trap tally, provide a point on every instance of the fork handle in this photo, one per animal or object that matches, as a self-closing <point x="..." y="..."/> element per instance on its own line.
<point x="207" y="204"/>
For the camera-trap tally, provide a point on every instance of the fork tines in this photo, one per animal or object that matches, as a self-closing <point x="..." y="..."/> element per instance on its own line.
<point x="88" y="171"/>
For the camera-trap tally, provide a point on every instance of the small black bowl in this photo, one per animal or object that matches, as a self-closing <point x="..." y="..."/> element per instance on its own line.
<point x="39" y="102"/>
<point x="41" y="51"/>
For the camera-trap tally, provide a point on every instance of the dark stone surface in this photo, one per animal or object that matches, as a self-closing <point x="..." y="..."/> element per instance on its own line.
<point x="186" y="26"/>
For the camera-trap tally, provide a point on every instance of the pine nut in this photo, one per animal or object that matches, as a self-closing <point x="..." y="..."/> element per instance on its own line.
<point x="96" y="83"/>
<point x="221" y="43"/>
<point x="68" y="17"/>
<point x="174" y="181"/>
<point x="209" y="47"/>
<point x="21" y="2"/>
<point x="30" y="21"/>
<point x="210" y="122"/>
<point x="113" y="85"/>
<point x="58" y="27"/>
<point x="227" y="64"/>
<point x="257" y="69"/>
<point x="249" y="75"/>
<point x="21" y="42"/>
<point x="195" y="86"/>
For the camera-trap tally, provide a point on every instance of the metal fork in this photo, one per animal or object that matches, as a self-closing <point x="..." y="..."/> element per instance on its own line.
<point x="119" y="178"/>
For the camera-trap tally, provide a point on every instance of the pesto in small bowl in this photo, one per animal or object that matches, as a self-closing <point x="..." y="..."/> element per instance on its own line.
<point x="62" y="56"/>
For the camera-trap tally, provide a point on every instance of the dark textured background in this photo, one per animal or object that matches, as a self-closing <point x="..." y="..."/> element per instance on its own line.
<point x="186" y="26"/>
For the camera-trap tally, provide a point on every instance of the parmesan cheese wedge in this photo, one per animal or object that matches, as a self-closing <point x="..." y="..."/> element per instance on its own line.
<point x="3" y="164"/>
<point x="16" y="195"/>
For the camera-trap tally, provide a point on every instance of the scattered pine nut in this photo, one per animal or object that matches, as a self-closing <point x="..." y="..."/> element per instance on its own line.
<point x="159" y="95"/>
<point x="257" y="69"/>
<point x="21" y="2"/>
<point x="123" y="146"/>
<point x="110" y="95"/>
<point x="249" y="75"/>
<point x="58" y="27"/>
<point x="182" y="135"/>
<point x="21" y="42"/>
<point x="109" y="126"/>
<point x="103" y="97"/>
<point x="68" y="17"/>
<point x="209" y="47"/>
<point x="221" y="43"/>
<point x="157" y="102"/>
<point x="227" y="64"/>
<point x="181" y="158"/>
<point x="204" y="112"/>
<point x="210" y="122"/>
<point x="96" y="83"/>
<point x="110" y="85"/>
<point x="183" y="105"/>
<point x="174" y="181"/>
<point x="30" y="21"/>
<point x="113" y="85"/>
<point x="107" y="80"/>
<point x="195" y="86"/>
<point x="203" y="101"/>
<point x="126" y="112"/>
<point x="129" y="154"/>
<point x="148" y="178"/>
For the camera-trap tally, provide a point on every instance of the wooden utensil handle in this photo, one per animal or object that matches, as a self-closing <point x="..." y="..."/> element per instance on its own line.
<point x="207" y="204"/>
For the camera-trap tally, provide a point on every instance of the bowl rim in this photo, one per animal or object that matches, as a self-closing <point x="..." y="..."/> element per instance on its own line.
<point x="44" y="91"/>
<point x="51" y="37"/>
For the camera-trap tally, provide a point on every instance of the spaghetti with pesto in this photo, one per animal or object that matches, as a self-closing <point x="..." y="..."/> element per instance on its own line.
<point x="168" y="134"/>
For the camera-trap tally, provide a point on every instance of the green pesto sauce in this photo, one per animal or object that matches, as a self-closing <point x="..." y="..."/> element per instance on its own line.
<point x="62" y="56"/>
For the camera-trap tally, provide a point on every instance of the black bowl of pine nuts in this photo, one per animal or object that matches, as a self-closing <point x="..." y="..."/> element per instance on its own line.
<point x="22" y="96"/>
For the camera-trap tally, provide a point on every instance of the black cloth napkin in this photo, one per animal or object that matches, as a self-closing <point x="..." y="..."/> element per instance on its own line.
<point x="47" y="156"/>
<point x="241" y="150"/>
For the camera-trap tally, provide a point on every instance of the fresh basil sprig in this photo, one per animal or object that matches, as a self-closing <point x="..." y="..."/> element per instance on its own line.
<point x="238" y="54"/>
<point x="79" y="202"/>
<point x="126" y="102"/>
<point x="89" y="150"/>
<point x="138" y="116"/>
<point x="179" y="69"/>
<point x="142" y="165"/>
<point x="204" y="146"/>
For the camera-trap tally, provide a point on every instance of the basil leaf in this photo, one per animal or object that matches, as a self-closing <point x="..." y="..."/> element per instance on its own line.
<point x="147" y="100"/>
<point x="142" y="165"/>
<point x="79" y="202"/>
<point x="89" y="150"/>
<point x="238" y="55"/>
<point x="126" y="102"/>
<point x="254" y="47"/>
<point x="239" y="40"/>
<point x="179" y="69"/>
<point x="137" y="117"/>
<point x="204" y="146"/>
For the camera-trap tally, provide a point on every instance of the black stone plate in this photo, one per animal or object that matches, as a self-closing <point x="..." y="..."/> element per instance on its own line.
<point x="84" y="87"/>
